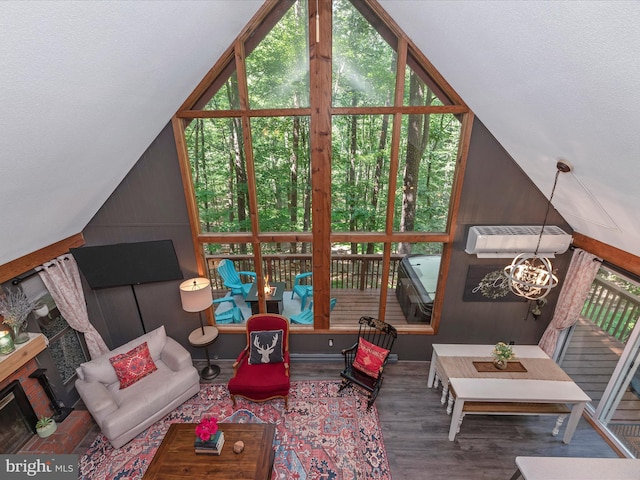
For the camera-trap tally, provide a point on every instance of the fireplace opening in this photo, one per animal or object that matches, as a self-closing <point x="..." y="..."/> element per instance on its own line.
<point x="17" y="418"/>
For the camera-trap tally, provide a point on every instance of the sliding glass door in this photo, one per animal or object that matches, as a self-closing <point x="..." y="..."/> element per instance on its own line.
<point x="602" y="353"/>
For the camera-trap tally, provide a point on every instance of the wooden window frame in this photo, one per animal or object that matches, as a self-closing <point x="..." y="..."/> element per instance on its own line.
<point x="321" y="113"/>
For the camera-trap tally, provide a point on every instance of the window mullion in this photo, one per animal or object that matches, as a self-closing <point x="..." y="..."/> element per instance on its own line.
<point x="243" y="92"/>
<point x="320" y="14"/>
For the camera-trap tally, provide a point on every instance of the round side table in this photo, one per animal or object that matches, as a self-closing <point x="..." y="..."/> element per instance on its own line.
<point x="199" y="339"/>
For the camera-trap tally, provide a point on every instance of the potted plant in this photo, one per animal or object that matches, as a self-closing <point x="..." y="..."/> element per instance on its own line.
<point x="501" y="354"/>
<point x="45" y="426"/>
<point x="15" y="307"/>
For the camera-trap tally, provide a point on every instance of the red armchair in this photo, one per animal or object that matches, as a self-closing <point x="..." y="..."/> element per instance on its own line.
<point x="261" y="371"/>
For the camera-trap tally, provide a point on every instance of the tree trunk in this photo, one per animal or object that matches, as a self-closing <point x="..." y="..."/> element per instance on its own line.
<point x="417" y="139"/>
<point x="293" y="180"/>
<point x="377" y="180"/>
<point x="351" y="175"/>
<point x="306" y="222"/>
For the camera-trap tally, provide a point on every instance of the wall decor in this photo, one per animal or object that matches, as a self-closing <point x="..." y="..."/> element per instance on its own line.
<point x="488" y="283"/>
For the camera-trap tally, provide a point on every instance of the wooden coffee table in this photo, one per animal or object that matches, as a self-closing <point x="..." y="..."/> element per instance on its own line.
<point x="176" y="459"/>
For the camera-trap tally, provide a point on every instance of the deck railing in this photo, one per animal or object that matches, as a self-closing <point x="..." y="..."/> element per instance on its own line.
<point x="347" y="271"/>
<point x="612" y="308"/>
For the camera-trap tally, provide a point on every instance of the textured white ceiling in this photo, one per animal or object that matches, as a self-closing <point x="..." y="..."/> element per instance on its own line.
<point x="85" y="87"/>
<point x="550" y="80"/>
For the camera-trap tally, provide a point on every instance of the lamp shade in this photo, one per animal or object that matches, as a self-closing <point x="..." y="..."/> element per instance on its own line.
<point x="195" y="294"/>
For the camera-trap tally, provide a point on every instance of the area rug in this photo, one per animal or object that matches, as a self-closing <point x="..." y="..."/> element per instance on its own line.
<point x="323" y="435"/>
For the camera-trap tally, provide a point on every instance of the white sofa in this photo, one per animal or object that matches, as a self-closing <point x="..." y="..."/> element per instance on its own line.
<point x="123" y="414"/>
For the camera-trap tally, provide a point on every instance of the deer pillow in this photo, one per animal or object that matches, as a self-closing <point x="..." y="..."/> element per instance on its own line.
<point x="266" y="347"/>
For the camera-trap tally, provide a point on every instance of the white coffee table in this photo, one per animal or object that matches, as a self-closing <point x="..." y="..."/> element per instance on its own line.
<point x="572" y="468"/>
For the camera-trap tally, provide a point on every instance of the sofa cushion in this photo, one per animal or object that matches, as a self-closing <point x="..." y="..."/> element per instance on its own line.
<point x="133" y="365"/>
<point x="266" y="346"/>
<point x="369" y="358"/>
<point x="100" y="369"/>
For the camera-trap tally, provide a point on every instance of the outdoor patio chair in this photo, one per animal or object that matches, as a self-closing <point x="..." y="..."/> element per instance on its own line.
<point x="233" y="315"/>
<point x="232" y="279"/>
<point x="301" y="289"/>
<point x="364" y="362"/>
<point x="305" y="317"/>
<point x="261" y="371"/>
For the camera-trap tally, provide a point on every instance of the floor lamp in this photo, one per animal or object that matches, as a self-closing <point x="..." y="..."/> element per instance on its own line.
<point x="195" y="295"/>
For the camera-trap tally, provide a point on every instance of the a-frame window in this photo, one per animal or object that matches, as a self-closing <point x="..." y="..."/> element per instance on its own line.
<point x="323" y="141"/>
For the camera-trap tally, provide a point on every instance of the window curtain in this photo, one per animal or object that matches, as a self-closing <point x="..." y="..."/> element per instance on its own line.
<point x="62" y="278"/>
<point x="577" y="284"/>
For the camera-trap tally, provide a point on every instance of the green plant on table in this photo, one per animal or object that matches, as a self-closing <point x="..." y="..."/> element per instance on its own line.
<point x="502" y="351"/>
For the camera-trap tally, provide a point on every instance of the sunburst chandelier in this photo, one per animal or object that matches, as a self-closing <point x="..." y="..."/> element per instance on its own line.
<point x="531" y="276"/>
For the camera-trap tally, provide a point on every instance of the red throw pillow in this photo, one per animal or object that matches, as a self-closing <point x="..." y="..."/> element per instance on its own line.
<point x="369" y="358"/>
<point x="133" y="365"/>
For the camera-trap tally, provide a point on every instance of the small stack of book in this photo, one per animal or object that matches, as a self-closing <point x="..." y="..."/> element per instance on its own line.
<point x="213" y="446"/>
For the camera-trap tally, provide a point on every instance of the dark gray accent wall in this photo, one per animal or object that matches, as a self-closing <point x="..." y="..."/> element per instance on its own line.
<point x="149" y="205"/>
<point x="496" y="192"/>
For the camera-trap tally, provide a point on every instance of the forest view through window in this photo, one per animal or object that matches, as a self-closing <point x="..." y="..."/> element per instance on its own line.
<point x="335" y="185"/>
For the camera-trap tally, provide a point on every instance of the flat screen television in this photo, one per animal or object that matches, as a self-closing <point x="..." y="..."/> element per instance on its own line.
<point x="128" y="263"/>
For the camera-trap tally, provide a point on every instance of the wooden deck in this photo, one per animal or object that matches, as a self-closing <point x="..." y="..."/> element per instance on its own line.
<point x="352" y="304"/>
<point x="590" y="360"/>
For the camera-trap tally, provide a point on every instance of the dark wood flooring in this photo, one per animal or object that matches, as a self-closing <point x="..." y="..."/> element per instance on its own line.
<point x="416" y="427"/>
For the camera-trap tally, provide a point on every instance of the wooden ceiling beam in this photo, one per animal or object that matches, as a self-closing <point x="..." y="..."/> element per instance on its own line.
<point x="32" y="260"/>
<point x="609" y="254"/>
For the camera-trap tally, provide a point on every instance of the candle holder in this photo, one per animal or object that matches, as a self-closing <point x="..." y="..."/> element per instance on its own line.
<point x="6" y="343"/>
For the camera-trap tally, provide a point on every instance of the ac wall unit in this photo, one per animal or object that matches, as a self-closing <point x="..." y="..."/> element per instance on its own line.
<point x="509" y="241"/>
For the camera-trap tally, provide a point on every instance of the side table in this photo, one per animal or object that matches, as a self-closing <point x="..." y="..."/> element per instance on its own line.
<point x="201" y="338"/>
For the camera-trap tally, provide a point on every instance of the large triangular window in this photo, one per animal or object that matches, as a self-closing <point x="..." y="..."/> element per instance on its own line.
<point x="323" y="141"/>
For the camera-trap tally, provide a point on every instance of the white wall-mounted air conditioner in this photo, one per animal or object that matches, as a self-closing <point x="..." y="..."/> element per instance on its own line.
<point x="509" y="241"/>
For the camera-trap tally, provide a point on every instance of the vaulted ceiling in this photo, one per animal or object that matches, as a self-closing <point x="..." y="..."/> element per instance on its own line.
<point x="85" y="87"/>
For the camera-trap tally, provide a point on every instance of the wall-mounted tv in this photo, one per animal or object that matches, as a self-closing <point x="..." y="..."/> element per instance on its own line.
<point x="128" y="263"/>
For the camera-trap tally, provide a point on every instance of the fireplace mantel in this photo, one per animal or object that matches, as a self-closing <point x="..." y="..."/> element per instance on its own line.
<point x="22" y="354"/>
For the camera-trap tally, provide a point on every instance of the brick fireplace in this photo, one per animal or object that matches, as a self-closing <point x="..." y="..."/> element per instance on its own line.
<point x="21" y="364"/>
<point x="18" y="366"/>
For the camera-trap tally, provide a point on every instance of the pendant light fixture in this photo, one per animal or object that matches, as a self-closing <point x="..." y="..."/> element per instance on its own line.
<point x="531" y="276"/>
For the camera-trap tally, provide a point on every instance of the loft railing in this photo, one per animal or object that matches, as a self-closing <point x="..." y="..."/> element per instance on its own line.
<point x="347" y="271"/>
<point x="612" y="308"/>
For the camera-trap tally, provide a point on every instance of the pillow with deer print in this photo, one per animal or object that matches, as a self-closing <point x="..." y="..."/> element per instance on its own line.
<point x="266" y="347"/>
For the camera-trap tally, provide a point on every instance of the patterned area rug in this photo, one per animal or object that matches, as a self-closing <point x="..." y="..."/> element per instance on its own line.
<point x="323" y="435"/>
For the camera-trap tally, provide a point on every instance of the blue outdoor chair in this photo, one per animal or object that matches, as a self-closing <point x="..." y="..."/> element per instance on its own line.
<point x="233" y="315"/>
<point x="232" y="280"/>
<point x="302" y="290"/>
<point x="305" y="317"/>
